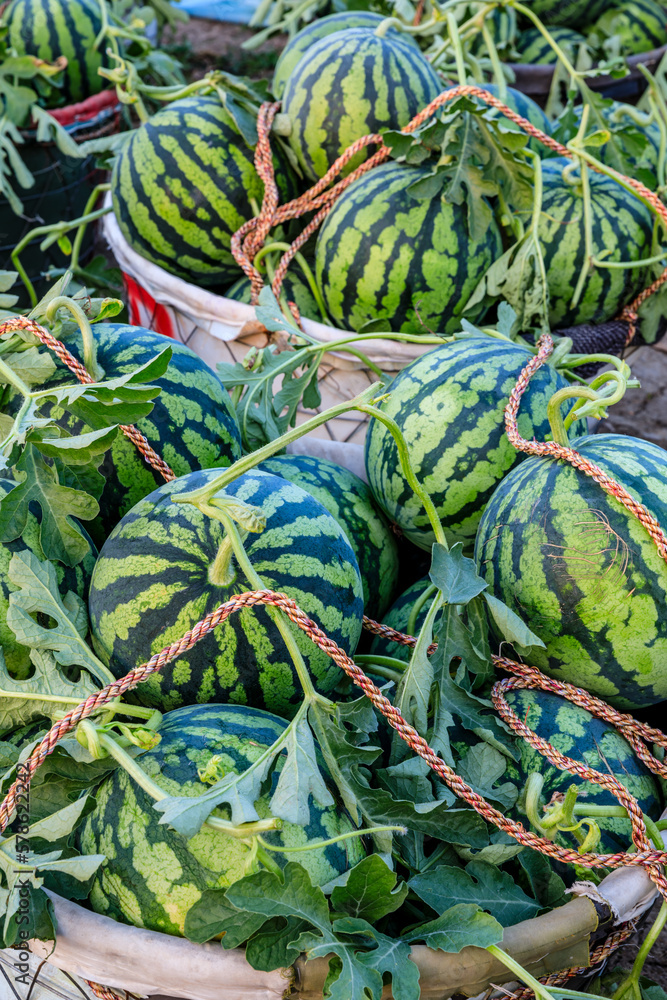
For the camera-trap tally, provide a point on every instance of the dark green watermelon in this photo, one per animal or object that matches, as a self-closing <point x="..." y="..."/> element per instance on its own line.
<point x="183" y="185"/>
<point x="570" y="13"/>
<point x="582" y="571"/>
<point x="74" y="578"/>
<point x="382" y="254"/>
<point x="535" y="50"/>
<point x="577" y="734"/>
<point x="50" y="29"/>
<point x="622" y="229"/>
<point x="349" y="84"/>
<point x="350" y="501"/>
<point x="152" y="582"/>
<point x="449" y="405"/>
<point x="313" y="32"/>
<point x="192" y="424"/>
<point x="153" y="875"/>
<point x="639" y="26"/>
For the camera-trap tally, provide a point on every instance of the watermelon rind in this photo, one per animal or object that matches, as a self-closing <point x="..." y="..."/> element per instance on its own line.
<point x="582" y="571"/>
<point x="350" y="501"/>
<point x="350" y="84"/>
<point x="153" y="875"/>
<point x="383" y="255"/>
<point x="151" y="584"/>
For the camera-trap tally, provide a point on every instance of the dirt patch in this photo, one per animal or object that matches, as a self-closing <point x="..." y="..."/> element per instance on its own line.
<point x="204" y="45"/>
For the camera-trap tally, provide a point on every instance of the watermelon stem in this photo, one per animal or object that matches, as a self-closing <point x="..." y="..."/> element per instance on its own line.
<point x="89" y="347"/>
<point x="453" y="30"/>
<point x="383" y="666"/>
<point x="316" y="845"/>
<point x="10" y="376"/>
<point x="632" y="982"/>
<point x="562" y="58"/>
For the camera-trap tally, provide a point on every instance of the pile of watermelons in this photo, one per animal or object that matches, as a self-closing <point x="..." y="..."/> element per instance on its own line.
<point x="247" y="793"/>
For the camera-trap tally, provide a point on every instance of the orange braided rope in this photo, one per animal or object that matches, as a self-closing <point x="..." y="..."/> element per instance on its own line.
<point x="246" y="241"/>
<point x="75" y="366"/>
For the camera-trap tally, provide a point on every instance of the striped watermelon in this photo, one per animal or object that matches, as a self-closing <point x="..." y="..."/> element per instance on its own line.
<point x="151" y="583"/>
<point x="153" y="875"/>
<point x="527" y="108"/>
<point x="350" y="84"/>
<point x="402" y="617"/>
<point x="570" y="13"/>
<point x="641" y="25"/>
<point x="53" y="28"/>
<point x="296" y="290"/>
<point x="74" y="578"/>
<point x="192" y="424"/>
<point x="183" y="185"/>
<point x="618" y="114"/>
<point x="350" y="501"/>
<point x="583" y="737"/>
<point x="449" y="406"/>
<point x="622" y="231"/>
<point x="381" y="254"/>
<point x="535" y="50"/>
<point x="582" y="572"/>
<point x="320" y="28"/>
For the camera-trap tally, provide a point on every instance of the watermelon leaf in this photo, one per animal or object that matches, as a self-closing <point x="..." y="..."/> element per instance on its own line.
<point x="458" y="927"/>
<point x="32" y="365"/>
<point x="491" y="889"/>
<point x="547" y="887"/>
<point x="300" y="778"/>
<point x="510" y="625"/>
<point x="37" y="593"/>
<point x="78" y="449"/>
<point x="370" y="891"/>
<point x="455" y="575"/>
<point x="475" y="714"/>
<point x="272" y="947"/>
<point x="482" y="766"/>
<point x="390" y="956"/>
<point x="213" y="914"/>
<point x="518" y="276"/>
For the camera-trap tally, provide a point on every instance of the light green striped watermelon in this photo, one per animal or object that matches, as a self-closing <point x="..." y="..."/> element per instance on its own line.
<point x="382" y="254"/>
<point x="350" y="501"/>
<point x="622" y="230"/>
<point x="53" y="28"/>
<point x="577" y="734"/>
<point x="192" y="424"/>
<point x="154" y="580"/>
<point x="350" y="84"/>
<point x="641" y="25"/>
<point x="535" y="49"/>
<point x="570" y="13"/>
<point x="70" y="578"/>
<point x="296" y="290"/>
<point x="153" y="875"/>
<point x="581" y="571"/>
<point x="402" y="617"/>
<point x="449" y="405"/>
<point x="183" y="185"/>
<point x="320" y="28"/>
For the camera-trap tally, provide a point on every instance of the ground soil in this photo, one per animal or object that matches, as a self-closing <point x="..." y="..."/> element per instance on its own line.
<point x="205" y="45"/>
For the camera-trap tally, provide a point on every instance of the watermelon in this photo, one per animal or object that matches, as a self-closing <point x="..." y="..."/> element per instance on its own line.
<point x="192" y="424"/>
<point x="153" y="581"/>
<point x="350" y="501"/>
<point x="399" y="616"/>
<point x="576" y="733"/>
<point x="49" y="29"/>
<point x="640" y="25"/>
<point x="350" y="84"/>
<point x="534" y="49"/>
<point x="70" y="578"/>
<point x="382" y="254"/>
<point x="313" y="32"/>
<point x="622" y="230"/>
<point x="527" y="108"/>
<point x="581" y="570"/>
<point x="182" y="186"/>
<point x="153" y="875"/>
<point x="449" y="405"/>
<point x="645" y="159"/>
<point x="296" y="290"/>
<point x="570" y="13"/>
